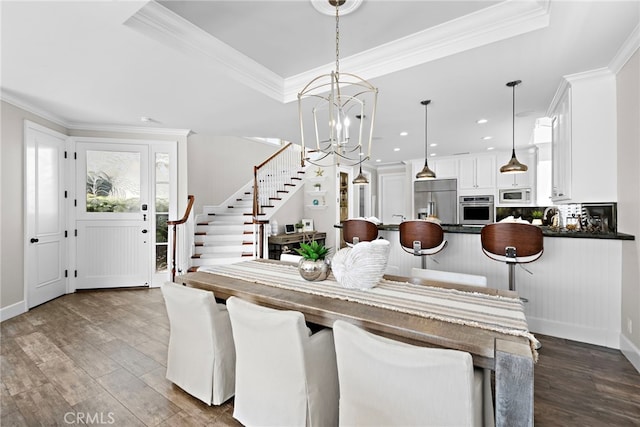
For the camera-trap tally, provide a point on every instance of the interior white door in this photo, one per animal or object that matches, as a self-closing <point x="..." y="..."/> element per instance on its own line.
<point x="393" y="198"/>
<point x="45" y="248"/>
<point x="113" y="215"/>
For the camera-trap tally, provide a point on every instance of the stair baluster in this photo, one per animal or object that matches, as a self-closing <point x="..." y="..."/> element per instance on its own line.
<point x="175" y="225"/>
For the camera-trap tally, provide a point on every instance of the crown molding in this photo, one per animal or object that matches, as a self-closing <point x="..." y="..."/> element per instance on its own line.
<point x="626" y="51"/>
<point x="498" y="22"/>
<point x="20" y="103"/>
<point x="96" y="127"/>
<point x="162" y="24"/>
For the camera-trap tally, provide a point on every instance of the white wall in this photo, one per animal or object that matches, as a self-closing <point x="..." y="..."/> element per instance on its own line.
<point x="219" y="166"/>
<point x="12" y="207"/>
<point x="12" y="191"/>
<point x="628" y="175"/>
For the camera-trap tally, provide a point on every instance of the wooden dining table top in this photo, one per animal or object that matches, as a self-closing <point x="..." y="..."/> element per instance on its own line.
<point x="409" y="328"/>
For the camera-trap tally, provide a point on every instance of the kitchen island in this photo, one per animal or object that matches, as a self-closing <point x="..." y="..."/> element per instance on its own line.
<point x="546" y="231"/>
<point x="574" y="289"/>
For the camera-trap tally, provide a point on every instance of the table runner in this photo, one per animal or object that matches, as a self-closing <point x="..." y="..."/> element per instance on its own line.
<point x="491" y="312"/>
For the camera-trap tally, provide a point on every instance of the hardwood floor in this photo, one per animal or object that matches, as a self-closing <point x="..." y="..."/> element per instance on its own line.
<point x="99" y="357"/>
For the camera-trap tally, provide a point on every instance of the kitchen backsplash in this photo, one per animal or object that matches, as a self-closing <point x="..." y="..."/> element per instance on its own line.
<point x="593" y="217"/>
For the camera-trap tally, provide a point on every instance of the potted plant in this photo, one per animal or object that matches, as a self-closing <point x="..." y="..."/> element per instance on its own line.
<point x="299" y="226"/>
<point x="537" y="217"/>
<point x="312" y="266"/>
<point x="317" y="186"/>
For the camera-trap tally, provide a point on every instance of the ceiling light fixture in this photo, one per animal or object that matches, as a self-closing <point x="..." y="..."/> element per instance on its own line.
<point x="360" y="179"/>
<point x="347" y="97"/>
<point x="514" y="166"/>
<point x="426" y="173"/>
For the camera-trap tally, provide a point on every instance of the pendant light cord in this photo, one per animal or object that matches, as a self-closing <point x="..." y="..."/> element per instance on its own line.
<point x="513" y="121"/>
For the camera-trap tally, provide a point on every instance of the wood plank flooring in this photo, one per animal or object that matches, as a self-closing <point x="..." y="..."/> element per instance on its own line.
<point x="99" y="357"/>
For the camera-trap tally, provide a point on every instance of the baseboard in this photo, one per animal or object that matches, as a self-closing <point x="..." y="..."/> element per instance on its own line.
<point x="602" y="337"/>
<point x="12" y="310"/>
<point x="630" y="351"/>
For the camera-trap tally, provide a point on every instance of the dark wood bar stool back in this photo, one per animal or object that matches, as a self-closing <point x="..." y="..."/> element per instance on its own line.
<point x="513" y="243"/>
<point x="359" y="230"/>
<point x="421" y="238"/>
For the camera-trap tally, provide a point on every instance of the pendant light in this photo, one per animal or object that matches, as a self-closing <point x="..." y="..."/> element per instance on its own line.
<point x="426" y="173"/>
<point x="514" y="166"/>
<point x="360" y="179"/>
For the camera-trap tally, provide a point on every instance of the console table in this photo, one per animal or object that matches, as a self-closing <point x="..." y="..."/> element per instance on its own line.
<point x="278" y="242"/>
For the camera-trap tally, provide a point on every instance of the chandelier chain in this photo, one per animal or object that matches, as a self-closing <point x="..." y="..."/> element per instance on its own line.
<point x="337" y="39"/>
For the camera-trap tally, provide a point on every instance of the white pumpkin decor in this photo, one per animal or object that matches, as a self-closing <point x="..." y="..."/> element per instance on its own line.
<point x="363" y="265"/>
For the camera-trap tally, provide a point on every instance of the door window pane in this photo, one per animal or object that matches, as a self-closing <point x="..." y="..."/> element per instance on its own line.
<point x="113" y="181"/>
<point x="161" y="258"/>
<point x="162" y="208"/>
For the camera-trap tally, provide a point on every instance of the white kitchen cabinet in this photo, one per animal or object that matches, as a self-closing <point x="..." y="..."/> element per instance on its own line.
<point x="518" y="180"/>
<point x="583" y="114"/>
<point x="561" y="147"/>
<point x="476" y="173"/>
<point x="446" y="167"/>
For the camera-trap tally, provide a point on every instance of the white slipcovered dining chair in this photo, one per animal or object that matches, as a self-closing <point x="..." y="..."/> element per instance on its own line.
<point x="449" y="277"/>
<point x="201" y="358"/>
<point x="284" y="375"/>
<point x="389" y="383"/>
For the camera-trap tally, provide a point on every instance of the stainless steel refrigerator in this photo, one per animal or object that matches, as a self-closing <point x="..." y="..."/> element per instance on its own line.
<point x="437" y="197"/>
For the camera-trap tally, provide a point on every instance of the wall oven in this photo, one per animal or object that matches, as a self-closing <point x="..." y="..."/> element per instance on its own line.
<point x="476" y="210"/>
<point x="513" y="195"/>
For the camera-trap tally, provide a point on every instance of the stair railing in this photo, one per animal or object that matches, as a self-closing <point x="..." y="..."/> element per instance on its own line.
<point x="175" y="225"/>
<point x="270" y="177"/>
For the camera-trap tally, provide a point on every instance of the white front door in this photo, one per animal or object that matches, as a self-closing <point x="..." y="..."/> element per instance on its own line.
<point x="46" y="246"/>
<point x="113" y="215"/>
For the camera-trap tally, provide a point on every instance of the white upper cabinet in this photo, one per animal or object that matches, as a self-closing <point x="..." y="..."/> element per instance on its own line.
<point x="584" y="152"/>
<point x="518" y="180"/>
<point x="561" y="147"/>
<point x="477" y="173"/>
<point x="446" y="168"/>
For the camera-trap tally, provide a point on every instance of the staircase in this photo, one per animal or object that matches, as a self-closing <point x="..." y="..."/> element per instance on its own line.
<point x="226" y="233"/>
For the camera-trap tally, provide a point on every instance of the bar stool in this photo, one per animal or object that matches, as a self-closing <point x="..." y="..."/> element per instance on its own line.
<point x="513" y="243"/>
<point x="359" y="230"/>
<point x="421" y="238"/>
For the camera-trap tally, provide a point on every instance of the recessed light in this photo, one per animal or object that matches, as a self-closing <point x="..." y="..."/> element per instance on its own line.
<point x="404" y="133"/>
<point x="481" y="121"/>
<point x="490" y="148"/>
<point x="396" y="149"/>
<point x="433" y="144"/>
<point x="432" y="154"/>
<point x="378" y="160"/>
<point x="486" y="138"/>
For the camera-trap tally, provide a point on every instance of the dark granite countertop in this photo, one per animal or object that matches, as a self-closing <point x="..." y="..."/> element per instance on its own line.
<point x="546" y="231"/>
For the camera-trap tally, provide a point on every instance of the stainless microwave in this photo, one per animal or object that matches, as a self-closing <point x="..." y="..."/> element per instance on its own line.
<point x="515" y="195"/>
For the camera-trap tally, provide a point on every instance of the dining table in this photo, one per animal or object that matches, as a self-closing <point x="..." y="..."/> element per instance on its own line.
<point x="486" y="322"/>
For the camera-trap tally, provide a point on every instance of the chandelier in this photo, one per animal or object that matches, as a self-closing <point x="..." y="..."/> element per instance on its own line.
<point x="329" y="106"/>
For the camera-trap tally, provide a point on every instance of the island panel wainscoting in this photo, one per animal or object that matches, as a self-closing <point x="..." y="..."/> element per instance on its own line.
<point x="573" y="289"/>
